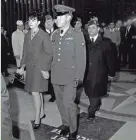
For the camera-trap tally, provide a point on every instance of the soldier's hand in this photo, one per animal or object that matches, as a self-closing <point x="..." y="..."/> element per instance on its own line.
<point x="17" y="57"/>
<point x="45" y="74"/>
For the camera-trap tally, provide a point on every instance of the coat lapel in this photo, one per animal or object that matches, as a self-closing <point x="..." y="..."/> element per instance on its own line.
<point x="98" y="40"/>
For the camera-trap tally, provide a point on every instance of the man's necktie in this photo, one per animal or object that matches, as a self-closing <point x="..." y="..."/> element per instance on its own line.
<point x="92" y="40"/>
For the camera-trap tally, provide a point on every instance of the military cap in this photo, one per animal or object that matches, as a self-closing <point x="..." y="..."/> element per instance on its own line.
<point x="19" y="22"/>
<point x="93" y="22"/>
<point x="62" y="10"/>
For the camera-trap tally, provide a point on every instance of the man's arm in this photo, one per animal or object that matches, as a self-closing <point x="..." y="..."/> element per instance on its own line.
<point x="80" y="51"/>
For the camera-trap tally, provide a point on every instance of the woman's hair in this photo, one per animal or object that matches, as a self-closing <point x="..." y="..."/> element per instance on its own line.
<point x="35" y="14"/>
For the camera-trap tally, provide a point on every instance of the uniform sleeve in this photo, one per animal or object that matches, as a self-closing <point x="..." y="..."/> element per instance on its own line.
<point x="47" y="55"/>
<point x="110" y="55"/>
<point x="15" y="44"/>
<point x="80" y="51"/>
<point x="24" y="56"/>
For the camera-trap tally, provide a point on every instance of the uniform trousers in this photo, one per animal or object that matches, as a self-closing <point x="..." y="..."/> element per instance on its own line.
<point x="65" y="97"/>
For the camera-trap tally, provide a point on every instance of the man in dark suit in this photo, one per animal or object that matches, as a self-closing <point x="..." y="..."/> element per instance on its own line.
<point x="5" y="51"/>
<point x="100" y="67"/>
<point x="128" y="41"/>
<point x="68" y="66"/>
<point x="49" y="28"/>
<point x="119" y="27"/>
<point x="132" y="62"/>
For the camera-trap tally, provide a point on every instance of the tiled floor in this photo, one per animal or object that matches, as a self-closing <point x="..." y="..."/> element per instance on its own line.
<point x="119" y="105"/>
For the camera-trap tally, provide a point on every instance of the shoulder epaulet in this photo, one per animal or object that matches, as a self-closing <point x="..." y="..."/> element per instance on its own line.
<point x="54" y="33"/>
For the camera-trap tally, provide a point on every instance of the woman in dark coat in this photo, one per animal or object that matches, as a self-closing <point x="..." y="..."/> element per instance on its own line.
<point x="37" y="56"/>
<point x="100" y="65"/>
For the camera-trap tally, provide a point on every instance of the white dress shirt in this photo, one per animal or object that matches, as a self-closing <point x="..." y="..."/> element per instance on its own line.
<point x="94" y="38"/>
<point x="49" y="31"/>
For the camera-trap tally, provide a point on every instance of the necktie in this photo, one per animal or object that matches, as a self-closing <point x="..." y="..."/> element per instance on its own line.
<point x="92" y="40"/>
<point x="61" y="31"/>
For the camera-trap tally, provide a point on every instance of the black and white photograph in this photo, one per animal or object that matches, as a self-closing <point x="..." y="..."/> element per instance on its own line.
<point x="68" y="69"/>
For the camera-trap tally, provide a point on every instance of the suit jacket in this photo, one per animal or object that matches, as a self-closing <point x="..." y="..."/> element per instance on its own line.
<point x="100" y="64"/>
<point x="122" y="34"/>
<point x="17" y="42"/>
<point x="128" y="35"/>
<point x="114" y="36"/>
<point x="69" y="57"/>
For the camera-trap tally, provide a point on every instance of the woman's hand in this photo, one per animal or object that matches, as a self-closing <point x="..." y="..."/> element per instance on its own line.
<point x="45" y="74"/>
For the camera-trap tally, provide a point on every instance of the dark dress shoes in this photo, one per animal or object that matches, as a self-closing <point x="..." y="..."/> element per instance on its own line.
<point x="91" y="117"/>
<point x="72" y="136"/>
<point x="65" y="130"/>
<point x="36" y="126"/>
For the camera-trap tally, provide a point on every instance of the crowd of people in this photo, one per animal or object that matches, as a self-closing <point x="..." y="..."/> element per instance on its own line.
<point x="59" y="58"/>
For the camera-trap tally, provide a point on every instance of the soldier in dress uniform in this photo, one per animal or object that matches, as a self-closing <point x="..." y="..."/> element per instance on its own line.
<point x="68" y="66"/>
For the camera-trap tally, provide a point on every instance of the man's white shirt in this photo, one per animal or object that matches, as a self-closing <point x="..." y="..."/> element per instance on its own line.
<point x="94" y="38"/>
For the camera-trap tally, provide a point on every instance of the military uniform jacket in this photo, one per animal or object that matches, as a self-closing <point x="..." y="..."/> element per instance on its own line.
<point x="69" y="57"/>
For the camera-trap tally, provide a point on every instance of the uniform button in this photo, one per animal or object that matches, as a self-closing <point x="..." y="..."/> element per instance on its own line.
<point x="90" y="63"/>
<point x="72" y="67"/>
<point x="59" y="42"/>
<point x="58" y="54"/>
<point x="59" y="48"/>
<point x="67" y="43"/>
<point x="58" y="59"/>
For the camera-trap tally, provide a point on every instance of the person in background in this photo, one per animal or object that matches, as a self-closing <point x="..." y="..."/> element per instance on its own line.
<point x="100" y="66"/>
<point x="37" y="57"/>
<point x="128" y="42"/>
<point x="6" y="122"/>
<point x="5" y="52"/>
<point x="132" y="62"/>
<point x="18" y="41"/>
<point x="77" y="24"/>
<point x="119" y="28"/>
<point x="102" y="28"/>
<point x="49" y="29"/>
<point x="49" y="24"/>
<point x="113" y="34"/>
<point x="26" y="28"/>
<point x="68" y="66"/>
